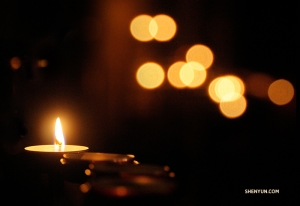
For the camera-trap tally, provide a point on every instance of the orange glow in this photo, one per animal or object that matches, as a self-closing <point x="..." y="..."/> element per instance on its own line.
<point x="42" y="63"/>
<point x="142" y="180"/>
<point x="226" y="88"/>
<point x="15" y="63"/>
<point x="145" y="28"/>
<point x="186" y="74"/>
<point x="212" y="91"/>
<point x="139" y="28"/>
<point x="87" y="172"/>
<point x="199" y="74"/>
<point x="281" y="92"/>
<point x="166" y="168"/>
<point x="91" y="166"/>
<point x="121" y="191"/>
<point x="84" y="188"/>
<point x="59" y="137"/>
<point x="174" y="75"/>
<point x="258" y="85"/>
<point x="172" y="174"/>
<point x="233" y="109"/>
<point x="162" y="27"/>
<point x="201" y="54"/>
<point x="63" y="161"/>
<point x="136" y="162"/>
<point x="150" y="75"/>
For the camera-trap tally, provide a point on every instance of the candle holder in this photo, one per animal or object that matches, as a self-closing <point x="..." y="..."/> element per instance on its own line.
<point x="76" y="166"/>
<point x="44" y="161"/>
<point x="130" y="184"/>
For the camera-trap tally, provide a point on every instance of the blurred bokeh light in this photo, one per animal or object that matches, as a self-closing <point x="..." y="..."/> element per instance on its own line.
<point x="42" y="63"/>
<point x="174" y="75"/>
<point x="235" y="108"/>
<point x="139" y="28"/>
<point x="226" y="88"/>
<point x="281" y="92"/>
<point x="200" y="53"/>
<point x="15" y="63"/>
<point x="146" y="28"/>
<point x="166" y="27"/>
<point x="150" y="75"/>
<point x="258" y="84"/>
<point x="192" y="74"/>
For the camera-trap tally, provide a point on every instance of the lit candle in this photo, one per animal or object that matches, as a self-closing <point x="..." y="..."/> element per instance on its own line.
<point x="59" y="145"/>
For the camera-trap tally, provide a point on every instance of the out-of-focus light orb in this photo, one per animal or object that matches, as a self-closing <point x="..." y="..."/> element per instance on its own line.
<point x="239" y="86"/>
<point x="226" y="88"/>
<point x="87" y="172"/>
<point x="201" y="54"/>
<point x="186" y="74"/>
<point x="281" y="92"/>
<point x="258" y="84"/>
<point x="42" y="63"/>
<point x="174" y="75"/>
<point x="121" y="191"/>
<point x="163" y="27"/>
<point x="15" y="63"/>
<point x="153" y="28"/>
<point x="85" y="187"/>
<point x="172" y="174"/>
<point x="139" y="28"/>
<point x="150" y="75"/>
<point x="212" y="90"/>
<point x="63" y="161"/>
<point x="235" y="108"/>
<point x="199" y="75"/>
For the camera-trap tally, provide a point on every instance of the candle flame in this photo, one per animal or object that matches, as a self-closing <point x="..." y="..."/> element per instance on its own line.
<point x="59" y="137"/>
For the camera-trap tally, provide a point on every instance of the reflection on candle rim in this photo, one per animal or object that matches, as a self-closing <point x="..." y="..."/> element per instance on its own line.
<point x="97" y="156"/>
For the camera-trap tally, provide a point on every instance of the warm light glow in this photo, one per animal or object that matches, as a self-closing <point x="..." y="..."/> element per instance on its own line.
<point x="174" y="75"/>
<point x="226" y="88"/>
<point x="136" y="162"/>
<point x="150" y="75"/>
<point x="281" y="92"/>
<point x="258" y="84"/>
<point x="162" y="27"/>
<point x="201" y="54"/>
<point x="199" y="74"/>
<point x="42" y="63"/>
<point x="139" y="28"/>
<point x="59" y="137"/>
<point x="91" y="166"/>
<point x="121" y="191"/>
<point x="186" y="74"/>
<point x="172" y="174"/>
<point x="145" y="28"/>
<point x="15" y="63"/>
<point x="87" y="172"/>
<point x="63" y="161"/>
<point x="166" y="168"/>
<point x="84" y="188"/>
<point x="56" y="148"/>
<point x="142" y="180"/>
<point x="233" y="109"/>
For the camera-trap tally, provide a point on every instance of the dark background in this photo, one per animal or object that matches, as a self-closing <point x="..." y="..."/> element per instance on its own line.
<point x="89" y="83"/>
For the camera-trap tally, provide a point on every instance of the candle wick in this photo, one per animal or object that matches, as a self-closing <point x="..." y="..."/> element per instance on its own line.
<point x="58" y="142"/>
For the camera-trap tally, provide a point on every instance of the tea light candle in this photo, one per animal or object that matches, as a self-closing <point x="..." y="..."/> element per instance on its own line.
<point x="59" y="144"/>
